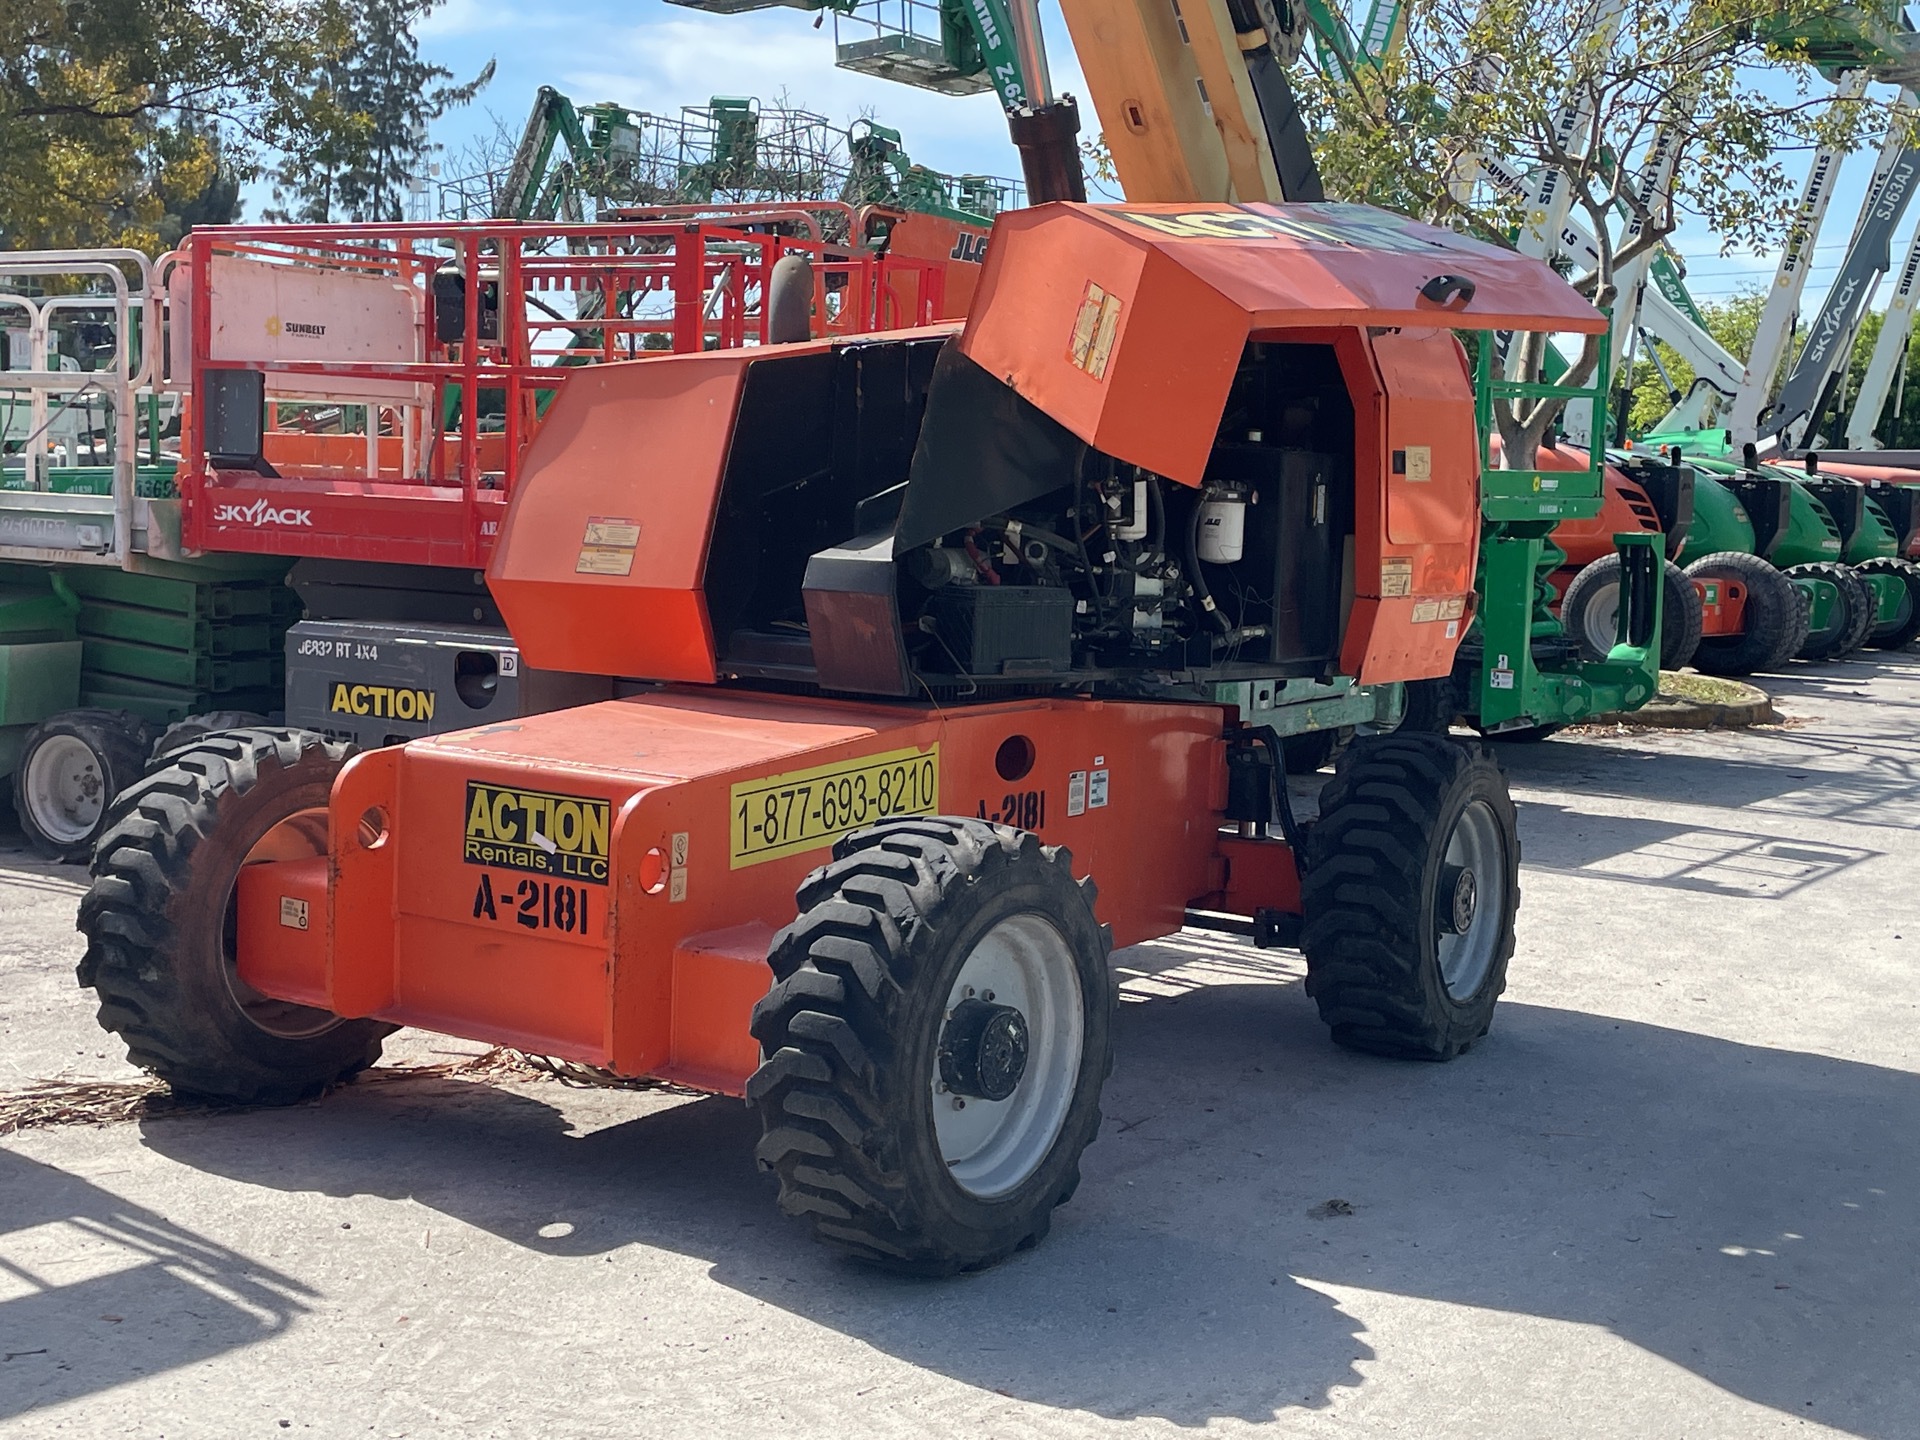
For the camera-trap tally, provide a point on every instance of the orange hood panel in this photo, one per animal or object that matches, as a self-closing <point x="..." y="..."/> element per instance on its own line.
<point x="1125" y="322"/>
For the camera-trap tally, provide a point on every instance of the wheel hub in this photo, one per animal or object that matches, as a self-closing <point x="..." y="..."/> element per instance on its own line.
<point x="1459" y="899"/>
<point x="65" y="789"/>
<point x="983" y="1050"/>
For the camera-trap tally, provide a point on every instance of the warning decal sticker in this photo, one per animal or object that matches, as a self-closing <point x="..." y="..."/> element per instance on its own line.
<point x="1093" y="331"/>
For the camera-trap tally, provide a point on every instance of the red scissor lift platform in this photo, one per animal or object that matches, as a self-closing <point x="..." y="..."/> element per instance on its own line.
<point x="387" y="318"/>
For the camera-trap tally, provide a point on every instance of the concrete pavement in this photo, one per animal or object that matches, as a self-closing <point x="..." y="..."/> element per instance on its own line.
<point x="1676" y="1192"/>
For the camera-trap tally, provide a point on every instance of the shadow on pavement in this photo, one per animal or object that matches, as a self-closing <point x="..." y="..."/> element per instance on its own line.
<point x="1673" y="856"/>
<point x="1749" y="1214"/>
<point x="95" y="1292"/>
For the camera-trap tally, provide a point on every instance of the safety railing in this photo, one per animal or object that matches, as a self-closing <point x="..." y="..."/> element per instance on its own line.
<point x="432" y="350"/>
<point x="79" y="347"/>
<point x="1522" y="494"/>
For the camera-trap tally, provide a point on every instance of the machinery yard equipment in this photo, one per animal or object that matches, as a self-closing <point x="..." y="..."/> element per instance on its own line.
<point x="1837" y="546"/>
<point x="108" y="633"/>
<point x="143" y="601"/>
<point x="1781" y="561"/>
<point x="1648" y="493"/>
<point x="938" y="629"/>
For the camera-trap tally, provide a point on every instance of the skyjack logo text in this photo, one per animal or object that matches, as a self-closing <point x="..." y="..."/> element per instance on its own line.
<point x="260" y="513"/>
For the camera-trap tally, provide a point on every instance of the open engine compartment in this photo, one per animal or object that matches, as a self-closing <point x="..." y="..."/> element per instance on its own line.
<point x="1025" y="557"/>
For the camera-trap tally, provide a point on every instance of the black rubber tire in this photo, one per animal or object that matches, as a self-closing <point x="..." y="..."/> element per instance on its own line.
<point x="1432" y="708"/>
<point x="118" y="742"/>
<point x="156" y="923"/>
<point x="1895" y="634"/>
<point x="1374" y="860"/>
<point x="1680" y="612"/>
<point x="1776" y="616"/>
<point x="1313" y="750"/>
<point x="183" y="733"/>
<point x="849" y="1032"/>
<point x="1852" y="618"/>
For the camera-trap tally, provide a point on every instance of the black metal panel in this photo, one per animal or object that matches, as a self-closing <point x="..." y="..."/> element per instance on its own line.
<point x="1669" y="488"/>
<point x="1295" y="548"/>
<point x="1902" y="506"/>
<point x="365" y="590"/>
<point x="817" y="437"/>
<point x="1846" y="502"/>
<point x="233" y="404"/>
<point x="1768" y="503"/>
<point x="983" y="448"/>
<point x="853" y="618"/>
<point x="772" y="511"/>
<point x="879" y="397"/>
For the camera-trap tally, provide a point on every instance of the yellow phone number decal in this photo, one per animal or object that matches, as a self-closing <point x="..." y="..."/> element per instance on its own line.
<point x="781" y="815"/>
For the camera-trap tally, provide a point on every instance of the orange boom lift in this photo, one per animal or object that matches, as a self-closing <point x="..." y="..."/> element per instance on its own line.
<point x="947" y="659"/>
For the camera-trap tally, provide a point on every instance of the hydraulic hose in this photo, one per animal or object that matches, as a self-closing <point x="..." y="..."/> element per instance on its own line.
<point x="1199" y="581"/>
<point x="1283" y="801"/>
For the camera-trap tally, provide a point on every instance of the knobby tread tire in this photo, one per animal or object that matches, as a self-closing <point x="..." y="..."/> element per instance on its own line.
<point x="1775" y="625"/>
<point x="156" y="914"/>
<point x="1432" y="706"/>
<point x="1680" y="611"/>
<point x="1897" y="634"/>
<point x="118" y="739"/>
<point x="1851" y="626"/>
<point x="1372" y="865"/>
<point x="183" y="733"/>
<point x="860" y="982"/>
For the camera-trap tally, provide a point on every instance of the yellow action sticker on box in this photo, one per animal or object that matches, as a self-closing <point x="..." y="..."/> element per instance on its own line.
<point x="538" y="831"/>
<point x="779" y="815"/>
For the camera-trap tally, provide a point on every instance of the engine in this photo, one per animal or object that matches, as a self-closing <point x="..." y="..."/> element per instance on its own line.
<point x="983" y="548"/>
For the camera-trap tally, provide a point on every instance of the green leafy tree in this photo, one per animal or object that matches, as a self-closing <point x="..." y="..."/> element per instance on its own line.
<point x="123" y="120"/>
<point x="384" y="96"/>
<point x="1537" y="86"/>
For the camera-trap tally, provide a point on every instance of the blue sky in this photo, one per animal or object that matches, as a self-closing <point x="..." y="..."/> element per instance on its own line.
<point x="650" y="55"/>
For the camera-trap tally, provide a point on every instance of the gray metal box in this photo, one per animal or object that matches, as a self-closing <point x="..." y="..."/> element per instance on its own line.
<point x="380" y="684"/>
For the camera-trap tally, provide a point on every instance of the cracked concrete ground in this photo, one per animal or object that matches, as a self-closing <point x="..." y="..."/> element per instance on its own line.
<point x="1676" y="1192"/>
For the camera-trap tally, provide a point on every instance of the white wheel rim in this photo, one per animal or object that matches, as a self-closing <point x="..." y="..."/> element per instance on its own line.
<point x="1601" y="621"/>
<point x="1475" y="845"/>
<point x="66" y="789"/>
<point x="991" y="1146"/>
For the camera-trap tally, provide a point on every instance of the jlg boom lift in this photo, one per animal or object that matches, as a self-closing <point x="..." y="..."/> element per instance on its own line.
<point x="921" y="637"/>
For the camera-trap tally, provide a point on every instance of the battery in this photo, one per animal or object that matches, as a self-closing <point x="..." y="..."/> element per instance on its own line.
<point x="1009" y="630"/>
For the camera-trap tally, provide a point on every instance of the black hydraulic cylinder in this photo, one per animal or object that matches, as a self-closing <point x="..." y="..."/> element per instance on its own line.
<point x="1048" y="139"/>
<point x="1286" y="130"/>
<point x="1250" y="777"/>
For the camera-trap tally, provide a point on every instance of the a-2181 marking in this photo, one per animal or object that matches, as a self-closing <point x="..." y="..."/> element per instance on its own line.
<point x="1023" y="809"/>
<point x="536" y="904"/>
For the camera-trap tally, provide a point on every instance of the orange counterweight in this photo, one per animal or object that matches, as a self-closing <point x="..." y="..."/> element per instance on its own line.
<point x="603" y="883"/>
